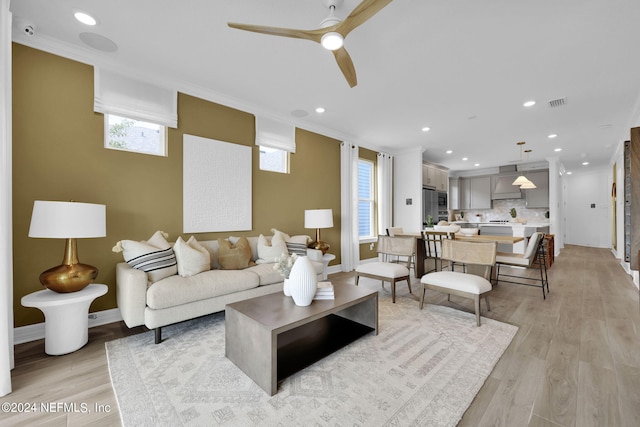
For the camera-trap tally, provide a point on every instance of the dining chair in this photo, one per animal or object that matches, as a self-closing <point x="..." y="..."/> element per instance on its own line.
<point x="386" y="271"/>
<point x="433" y="249"/>
<point x="474" y="285"/>
<point x="534" y="256"/>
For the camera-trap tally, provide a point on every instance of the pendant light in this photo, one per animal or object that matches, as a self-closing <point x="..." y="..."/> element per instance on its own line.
<point x="529" y="184"/>
<point x="521" y="180"/>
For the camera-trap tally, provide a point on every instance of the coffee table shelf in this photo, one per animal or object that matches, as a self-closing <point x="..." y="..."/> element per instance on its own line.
<point x="269" y="337"/>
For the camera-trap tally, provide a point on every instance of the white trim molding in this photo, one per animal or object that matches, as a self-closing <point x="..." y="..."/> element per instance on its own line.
<point x="35" y="332"/>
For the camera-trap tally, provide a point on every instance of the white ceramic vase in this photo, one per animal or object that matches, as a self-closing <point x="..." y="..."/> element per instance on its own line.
<point x="303" y="281"/>
<point x="287" y="287"/>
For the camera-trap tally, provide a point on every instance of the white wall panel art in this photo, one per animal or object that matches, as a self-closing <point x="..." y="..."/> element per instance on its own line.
<point x="216" y="185"/>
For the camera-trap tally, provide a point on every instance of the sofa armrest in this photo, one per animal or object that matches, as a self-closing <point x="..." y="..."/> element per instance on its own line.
<point x="314" y="254"/>
<point x="131" y="294"/>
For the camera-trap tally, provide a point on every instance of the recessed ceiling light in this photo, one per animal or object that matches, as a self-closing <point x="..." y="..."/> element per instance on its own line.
<point x="529" y="103"/>
<point x="85" y="18"/>
<point x="569" y="173"/>
<point x="449" y="151"/>
<point x="557" y="149"/>
<point x="476" y="164"/>
<point x="585" y="163"/>
<point x="465" y="159"/>
<point x="553" y="135"/>
<point x="320" y="110"/>
<point x="426" y="129"/>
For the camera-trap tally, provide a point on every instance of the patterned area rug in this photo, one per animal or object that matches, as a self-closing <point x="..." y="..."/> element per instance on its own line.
<point x="423" y="368"/>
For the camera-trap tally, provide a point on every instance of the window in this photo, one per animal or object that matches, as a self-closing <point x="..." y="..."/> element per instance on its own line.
<point x="366" y="199"/>
<point x="126" y="134"/>
<point x="274" y="160"/>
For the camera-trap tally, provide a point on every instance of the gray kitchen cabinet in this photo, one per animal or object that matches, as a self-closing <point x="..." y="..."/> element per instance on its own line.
<point x="454" y="193"/>
<point x="538" y="197"/>
<point x="435" y="178"/>
<point x="475" y="193"/>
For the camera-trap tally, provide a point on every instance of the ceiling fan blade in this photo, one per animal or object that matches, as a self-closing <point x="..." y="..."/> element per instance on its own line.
<point x="346" y="66"/>
<point x="363" y="12"/>
<point x="313" y="35"/>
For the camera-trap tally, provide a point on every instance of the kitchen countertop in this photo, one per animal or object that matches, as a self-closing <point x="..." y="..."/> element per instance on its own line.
<point x="506" y="224"/>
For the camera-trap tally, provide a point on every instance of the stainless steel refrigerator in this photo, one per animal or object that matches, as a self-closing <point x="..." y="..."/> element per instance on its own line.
<point x="434" y="203"/>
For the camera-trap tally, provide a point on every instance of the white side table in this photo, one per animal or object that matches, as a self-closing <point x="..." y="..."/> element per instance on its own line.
<point x="326" y="259"/>
<point x="66" y="317"/>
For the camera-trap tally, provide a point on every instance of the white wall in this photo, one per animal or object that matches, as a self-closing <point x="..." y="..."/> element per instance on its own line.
<point x="407" y="184"/>
<point x="584" y="225"/>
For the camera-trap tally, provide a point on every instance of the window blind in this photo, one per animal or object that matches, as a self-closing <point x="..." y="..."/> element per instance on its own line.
<point x="274" y="134"/>
<point x="123" y="96"/>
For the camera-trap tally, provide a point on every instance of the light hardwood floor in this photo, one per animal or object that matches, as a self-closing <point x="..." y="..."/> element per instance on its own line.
<point x="575" y="360"/>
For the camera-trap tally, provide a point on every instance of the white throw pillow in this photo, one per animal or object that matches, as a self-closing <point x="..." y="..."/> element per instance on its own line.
<point x="270" y="252"/>
<point x="154" y="256"/>
<point x="192" y="257"/>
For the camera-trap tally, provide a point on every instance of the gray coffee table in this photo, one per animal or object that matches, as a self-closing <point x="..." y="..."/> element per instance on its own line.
<point x="269" y="337"/>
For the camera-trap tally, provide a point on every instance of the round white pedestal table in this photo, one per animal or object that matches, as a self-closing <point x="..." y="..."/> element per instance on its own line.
<point x="66" y="317"/>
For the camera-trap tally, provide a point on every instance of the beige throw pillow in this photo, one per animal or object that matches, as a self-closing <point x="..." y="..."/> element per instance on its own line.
<point x="234" y="257"/>
<point x="192" y="257"/>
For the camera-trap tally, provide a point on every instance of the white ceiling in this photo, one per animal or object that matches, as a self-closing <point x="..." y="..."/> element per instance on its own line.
<point x="464" y="68"/>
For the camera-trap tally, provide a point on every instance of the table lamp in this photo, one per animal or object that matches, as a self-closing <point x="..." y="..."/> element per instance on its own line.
<point x="70" y="221"/>
<point x="318" y="218"/>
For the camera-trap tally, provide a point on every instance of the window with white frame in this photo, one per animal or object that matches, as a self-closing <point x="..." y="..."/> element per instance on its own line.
<point x="366" y="199"/>
<point x="122" y="133"/>
<point x="276" y="141"/>
<point x="274" y="160"/>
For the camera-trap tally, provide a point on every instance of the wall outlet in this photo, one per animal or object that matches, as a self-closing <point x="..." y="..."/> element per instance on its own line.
<point x="93" y="316"/>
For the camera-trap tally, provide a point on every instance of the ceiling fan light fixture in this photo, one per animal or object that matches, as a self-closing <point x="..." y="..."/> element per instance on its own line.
<point x="332" y="40"/>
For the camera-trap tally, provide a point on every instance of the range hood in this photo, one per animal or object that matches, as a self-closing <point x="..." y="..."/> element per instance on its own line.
<point x="501" y="185"/>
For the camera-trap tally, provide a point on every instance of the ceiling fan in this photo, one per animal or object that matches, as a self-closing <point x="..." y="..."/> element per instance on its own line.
<point x="331" y="33"/>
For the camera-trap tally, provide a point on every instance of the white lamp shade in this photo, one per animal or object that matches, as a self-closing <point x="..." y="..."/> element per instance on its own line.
<point x="520" y="180"/>
<point x="318" y="218"/>
<point x="528" y="186"/>
<point x="67" y="220"/>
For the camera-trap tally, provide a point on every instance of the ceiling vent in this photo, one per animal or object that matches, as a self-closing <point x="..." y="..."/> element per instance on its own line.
<point x="557" y="102"/>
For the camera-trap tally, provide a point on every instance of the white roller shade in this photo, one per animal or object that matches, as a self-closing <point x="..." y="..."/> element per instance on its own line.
<point x="273" y="134"/>
<point x="123" y="96"/>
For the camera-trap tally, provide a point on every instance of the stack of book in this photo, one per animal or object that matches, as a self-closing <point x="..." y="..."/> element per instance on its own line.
<point x="325" y="291"/>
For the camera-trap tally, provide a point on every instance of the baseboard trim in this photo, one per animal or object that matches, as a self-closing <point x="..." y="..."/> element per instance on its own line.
<point x="35" y="332"/>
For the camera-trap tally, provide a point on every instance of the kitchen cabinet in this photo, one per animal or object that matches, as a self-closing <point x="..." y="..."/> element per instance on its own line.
<point x="435" y="178"/>
<point x="454" y="193"/>
<point x="475" y="193"/>
<point x="538" y="197"/>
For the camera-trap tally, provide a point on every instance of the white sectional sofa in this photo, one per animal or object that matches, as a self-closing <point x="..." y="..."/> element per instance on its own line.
<point x="175" y="298"/>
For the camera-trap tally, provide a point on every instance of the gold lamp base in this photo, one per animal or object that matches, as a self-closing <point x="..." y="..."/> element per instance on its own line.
<point x="321" y="246"/>
<point x="68" y="278"/>
<point x="71" y="276"/>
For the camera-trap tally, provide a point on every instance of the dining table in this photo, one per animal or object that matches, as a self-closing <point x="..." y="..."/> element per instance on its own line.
<point x="421" y="254"/>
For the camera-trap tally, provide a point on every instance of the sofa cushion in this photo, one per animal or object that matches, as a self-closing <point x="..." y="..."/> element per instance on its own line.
<point x="234" y="256"/>
<point x="266" y="273"/>
<point x="176" y="290"/>
<point x="269" y="252"/>
<point x="192" y="257"/>
<point x="154" y="256"/>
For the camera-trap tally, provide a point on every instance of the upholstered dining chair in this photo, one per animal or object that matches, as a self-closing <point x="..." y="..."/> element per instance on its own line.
<point x="533" y="257"/>
<point x="398" y="231"/>
<point x="386" y="271"/>
<point x="481" y="256"/>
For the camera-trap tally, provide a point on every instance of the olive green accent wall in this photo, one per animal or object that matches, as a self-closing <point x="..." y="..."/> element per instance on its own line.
<point x="59" y="154"/>
<point x="365" y="251"/>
